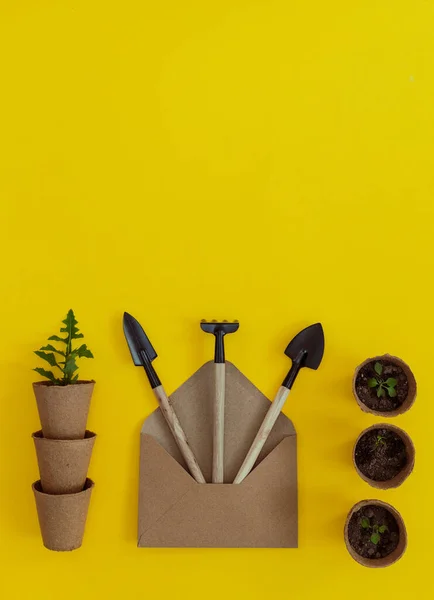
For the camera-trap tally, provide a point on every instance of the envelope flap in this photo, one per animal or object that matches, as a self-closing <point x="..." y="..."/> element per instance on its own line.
<point x="245" y="408"/>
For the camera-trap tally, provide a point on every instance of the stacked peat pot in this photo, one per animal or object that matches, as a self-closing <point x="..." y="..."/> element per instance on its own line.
<point x="63" y="447"/>
<point x="383" y="455"/>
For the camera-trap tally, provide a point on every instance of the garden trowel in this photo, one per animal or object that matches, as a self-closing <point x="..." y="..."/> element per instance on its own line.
<point x="143" y="354"/>
<point x="305" y="350"/>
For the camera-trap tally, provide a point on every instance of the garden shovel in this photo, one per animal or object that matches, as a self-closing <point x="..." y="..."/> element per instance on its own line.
<point x="143" y="354"/>
<point x="305" y="350"/>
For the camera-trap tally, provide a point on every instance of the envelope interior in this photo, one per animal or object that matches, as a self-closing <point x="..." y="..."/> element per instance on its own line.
<point x="245" y="408"/>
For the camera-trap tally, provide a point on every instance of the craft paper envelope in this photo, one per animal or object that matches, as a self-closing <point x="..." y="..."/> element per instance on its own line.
<point x="175" y="511"/>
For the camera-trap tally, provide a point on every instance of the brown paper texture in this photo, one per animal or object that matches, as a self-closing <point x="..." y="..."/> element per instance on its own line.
<point x="62" y="518"/>
<point x="63" y="410"/>
<point x="63" y="464"/>
<point x="175" y="511"/>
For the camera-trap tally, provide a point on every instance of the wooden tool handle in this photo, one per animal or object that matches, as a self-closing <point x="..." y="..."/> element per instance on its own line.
<point x="219" y="423"/>
<point x="178" y="434"/>
<point x="263" y="433"/>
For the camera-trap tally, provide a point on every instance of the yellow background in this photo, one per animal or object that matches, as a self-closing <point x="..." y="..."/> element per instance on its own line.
<point x="270" y="161"/>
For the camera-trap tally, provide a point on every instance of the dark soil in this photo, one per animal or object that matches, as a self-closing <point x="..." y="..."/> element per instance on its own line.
<point x="369" y="396"/>
<point x="51" y="384"/>
<point x="380" y="454"/>
<point x="360" y="537"/>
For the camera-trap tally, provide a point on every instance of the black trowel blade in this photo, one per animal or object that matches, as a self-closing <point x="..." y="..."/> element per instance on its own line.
<point x="311" y="341"/>
<point x="137" y="340"/>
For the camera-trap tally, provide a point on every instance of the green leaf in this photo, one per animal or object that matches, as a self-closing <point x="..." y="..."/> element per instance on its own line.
<point x="383" y="528"/>
<point x="378" y="368"/>
<point x="70" y="367"/>
<point x="391" y="391"/>
<point x="71" y="328"/>
<point x="365" y="523"/>
<point x="380" y="392"/>
<point x="83" y="352"/>
<point x="48" y="374"/>
<point x="56" y="338"/>
<point x="52" y="349"/>
<point x="372" y="383"/>
<point x="48" y="356"/>
<point x="70" y="320"/>
<point x="375" y="538"/>
<point x="391" y="382"/>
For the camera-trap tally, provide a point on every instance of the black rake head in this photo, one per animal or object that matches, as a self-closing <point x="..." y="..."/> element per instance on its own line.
<point x="219" y="329"/>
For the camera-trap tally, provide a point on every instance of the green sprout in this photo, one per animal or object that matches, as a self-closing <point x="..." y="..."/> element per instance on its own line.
<point x="66" y="357"/>
<point x="377" y="530"/>
<point x="382" y="385"/>
<point x="380" y="441"/>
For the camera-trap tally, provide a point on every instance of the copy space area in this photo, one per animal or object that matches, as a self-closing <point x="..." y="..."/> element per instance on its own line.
<point x="267" y="161"/>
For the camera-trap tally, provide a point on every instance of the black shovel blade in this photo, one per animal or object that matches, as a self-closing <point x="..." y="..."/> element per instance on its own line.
<point x="310" y="341"/>
<point x="137" y="340"/>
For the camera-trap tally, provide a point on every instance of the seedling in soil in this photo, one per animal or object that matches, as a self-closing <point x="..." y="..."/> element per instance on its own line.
<point x="376" y="530"/>
<point x="67" y="362"/>
<point x="382" y="385"/>
<point x="379" y="441"/>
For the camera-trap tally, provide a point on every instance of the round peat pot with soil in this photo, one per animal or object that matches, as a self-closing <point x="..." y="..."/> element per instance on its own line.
<point x="384" y="386"/>
<point x="375" y="534"/>
<point x="383" y="456"/>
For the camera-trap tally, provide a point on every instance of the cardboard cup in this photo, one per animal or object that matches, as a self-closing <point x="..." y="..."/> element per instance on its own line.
<point x="406" y="470"/>
<point x="62" y="518"/>
<point x="63" y="410"/>
<point x="393" y="556"/>
<point x="63" y="464"/>
<point x="412" y="387"/>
